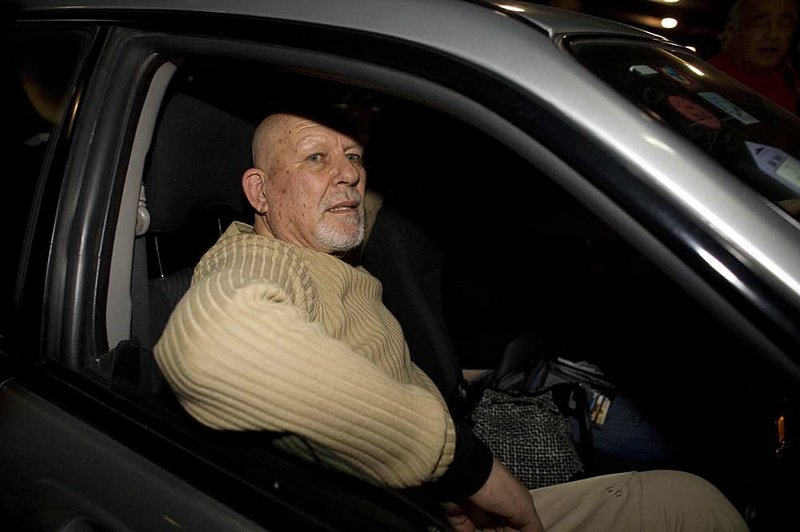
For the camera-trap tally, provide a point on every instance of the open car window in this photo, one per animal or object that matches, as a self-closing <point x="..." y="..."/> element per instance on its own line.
<point x="489" y="242"/>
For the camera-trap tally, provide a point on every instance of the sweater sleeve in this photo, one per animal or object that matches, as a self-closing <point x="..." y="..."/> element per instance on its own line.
<point x="243" y="357"/>
<point x="472" y="460"/>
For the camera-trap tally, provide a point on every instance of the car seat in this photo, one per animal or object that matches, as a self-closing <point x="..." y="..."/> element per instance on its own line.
<point x="410" y="265"/>
<point x="191" y="193"/>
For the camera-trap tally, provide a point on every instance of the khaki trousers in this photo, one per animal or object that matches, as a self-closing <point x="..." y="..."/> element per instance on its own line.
<point x="650" y="501"/>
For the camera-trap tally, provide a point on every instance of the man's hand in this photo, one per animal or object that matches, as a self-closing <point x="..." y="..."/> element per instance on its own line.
<point x="502" y="503"/>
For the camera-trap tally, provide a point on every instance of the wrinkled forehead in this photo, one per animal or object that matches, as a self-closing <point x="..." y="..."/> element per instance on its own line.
<point x="286" y="130"/>
<point x="300" y="129"/>
<point x="280" y="133"/>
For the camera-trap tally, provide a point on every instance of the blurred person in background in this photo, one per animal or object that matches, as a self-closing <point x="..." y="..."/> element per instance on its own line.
<point x="755" y="49"/>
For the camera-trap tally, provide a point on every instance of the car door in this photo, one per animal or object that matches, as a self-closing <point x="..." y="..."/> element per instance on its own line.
<point x="83" y="446"/>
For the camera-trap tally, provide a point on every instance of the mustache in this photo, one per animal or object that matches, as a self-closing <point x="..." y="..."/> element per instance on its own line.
<point x="347" y="197"/>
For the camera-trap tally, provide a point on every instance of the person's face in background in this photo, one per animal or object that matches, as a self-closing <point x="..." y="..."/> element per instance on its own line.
<point x="765" y="32"/>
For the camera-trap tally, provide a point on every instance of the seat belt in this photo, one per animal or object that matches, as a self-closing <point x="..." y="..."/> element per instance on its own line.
<point x="140" y="296"/>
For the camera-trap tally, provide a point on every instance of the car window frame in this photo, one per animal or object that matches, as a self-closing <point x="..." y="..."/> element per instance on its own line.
<point x="656" y="222"/>
<point x="31" y="268"/>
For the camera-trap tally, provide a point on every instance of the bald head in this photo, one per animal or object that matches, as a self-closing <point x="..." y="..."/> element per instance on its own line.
<point x="267" y="135"/>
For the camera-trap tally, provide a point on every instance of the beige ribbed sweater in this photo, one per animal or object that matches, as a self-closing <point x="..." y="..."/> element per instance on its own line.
<point x="279" y="337"/>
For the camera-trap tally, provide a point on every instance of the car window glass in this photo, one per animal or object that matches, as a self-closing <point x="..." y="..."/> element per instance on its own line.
<point x="38" y="70"/>
<point x="750" y="136"/>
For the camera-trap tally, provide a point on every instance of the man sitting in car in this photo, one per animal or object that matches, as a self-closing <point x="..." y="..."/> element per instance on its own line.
<point x="279" y="333"/>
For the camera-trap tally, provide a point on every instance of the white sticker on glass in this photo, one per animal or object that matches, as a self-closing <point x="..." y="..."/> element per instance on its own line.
<point x="729" y="107"/>
<point x="776" y="163"/>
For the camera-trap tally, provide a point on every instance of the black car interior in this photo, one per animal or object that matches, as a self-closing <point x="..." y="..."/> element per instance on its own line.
<point x="484" y="250"/>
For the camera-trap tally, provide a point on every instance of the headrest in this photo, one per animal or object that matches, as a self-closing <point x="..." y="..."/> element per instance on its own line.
<point x="199" y="154"/>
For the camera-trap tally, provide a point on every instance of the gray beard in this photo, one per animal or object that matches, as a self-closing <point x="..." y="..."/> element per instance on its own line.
<point x="340" y="241"/>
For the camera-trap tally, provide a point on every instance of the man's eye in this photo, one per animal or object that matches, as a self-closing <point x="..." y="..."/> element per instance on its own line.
<point x="315" y="157"/>
<point x="356" y="158"/>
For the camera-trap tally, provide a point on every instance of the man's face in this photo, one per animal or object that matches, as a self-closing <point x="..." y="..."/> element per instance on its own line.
<point x="315" y="183"/>
<point x="765" y="32"/>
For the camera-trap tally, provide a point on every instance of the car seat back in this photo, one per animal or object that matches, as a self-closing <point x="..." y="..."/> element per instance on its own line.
<point x="193" y="192"/>
<point x="409" y="264"/>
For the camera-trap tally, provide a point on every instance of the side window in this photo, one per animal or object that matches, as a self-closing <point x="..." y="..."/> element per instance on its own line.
<point x="504" y="250"/>
<point x="475" y="247"/>
<point x="38" y="70"/>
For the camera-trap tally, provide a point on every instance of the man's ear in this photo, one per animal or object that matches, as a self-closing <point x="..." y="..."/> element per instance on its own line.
<point x="253" y="185"/>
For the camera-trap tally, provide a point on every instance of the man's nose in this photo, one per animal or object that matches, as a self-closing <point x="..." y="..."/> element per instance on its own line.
<point x="347" y="171"/>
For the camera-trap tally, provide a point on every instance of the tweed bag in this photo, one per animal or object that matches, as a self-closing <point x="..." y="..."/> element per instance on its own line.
<point x="528" y="433"/>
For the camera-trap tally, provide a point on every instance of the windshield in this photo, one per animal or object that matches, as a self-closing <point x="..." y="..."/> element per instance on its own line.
<point x="749" y="135"/>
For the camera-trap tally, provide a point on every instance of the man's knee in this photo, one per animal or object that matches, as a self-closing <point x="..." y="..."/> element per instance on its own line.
<point x="674" y="500"/>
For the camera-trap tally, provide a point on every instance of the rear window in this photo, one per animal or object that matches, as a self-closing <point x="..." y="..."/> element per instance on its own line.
<point x="752" y="137"/>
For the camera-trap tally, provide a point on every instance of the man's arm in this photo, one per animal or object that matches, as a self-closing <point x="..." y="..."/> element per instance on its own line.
<point x="245" y="358"/>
